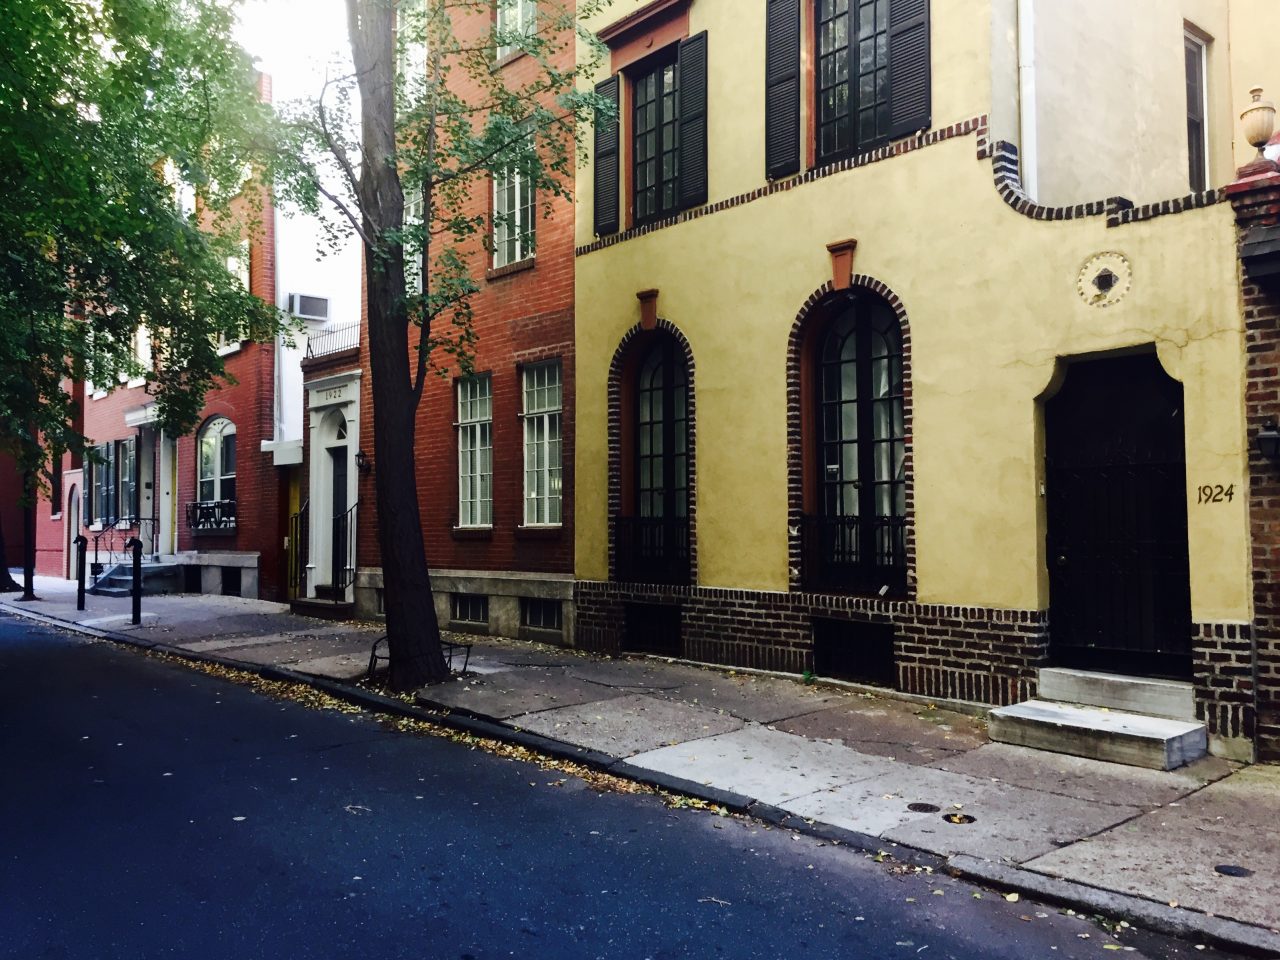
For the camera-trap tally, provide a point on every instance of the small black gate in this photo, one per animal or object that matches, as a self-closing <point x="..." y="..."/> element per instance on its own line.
<point x="1119" y="575"/>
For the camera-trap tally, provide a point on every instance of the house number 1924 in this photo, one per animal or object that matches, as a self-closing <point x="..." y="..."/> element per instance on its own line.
<point x="1215" y="493"/>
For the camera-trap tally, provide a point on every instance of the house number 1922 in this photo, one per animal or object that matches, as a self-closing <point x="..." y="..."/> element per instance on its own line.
<point x="1215" y="493"/>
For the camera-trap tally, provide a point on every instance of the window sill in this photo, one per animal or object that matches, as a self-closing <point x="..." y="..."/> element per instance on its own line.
<point x="546" y="531"/>
<point x="230" y="348"/>
<point x="472" y="533"/>
<point x="94" y="528"/>
<point x="507" y="58"/>
<point x="520" y="266"/>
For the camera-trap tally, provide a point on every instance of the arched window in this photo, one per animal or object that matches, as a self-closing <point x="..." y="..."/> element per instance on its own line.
<point x="217" y="461"/>
<point x="662" y="456"/>
<point x="652" y="542"/>
<point x="856" y="533"/>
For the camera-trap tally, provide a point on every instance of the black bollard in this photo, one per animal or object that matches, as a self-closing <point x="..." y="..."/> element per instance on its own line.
<point x="82" y="545"/>
<point x="135" y="545"/>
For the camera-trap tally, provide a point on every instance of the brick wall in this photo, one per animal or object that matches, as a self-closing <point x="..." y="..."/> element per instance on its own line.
<point x="966" y="653"/>
<point x="248" y="400"/>
<point x="520" y="316"/>
<point x="1257" y="203"/>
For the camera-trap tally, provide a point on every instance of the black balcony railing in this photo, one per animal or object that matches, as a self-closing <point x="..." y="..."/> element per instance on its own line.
<point x="211" y="515"/>
<point x="850" y="555"/>
<point x="651" y="549"/>
<point x="333" y="340"/>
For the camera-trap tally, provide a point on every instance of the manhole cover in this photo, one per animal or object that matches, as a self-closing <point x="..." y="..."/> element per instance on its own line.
<point x="958" y="818"/>
<point x="922" y="808"/>
<point x="1233" y="870"/>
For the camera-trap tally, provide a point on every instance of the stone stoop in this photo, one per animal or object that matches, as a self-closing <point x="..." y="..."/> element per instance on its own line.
<point x="1144" y="695"/>
<point x="157" y="577"/>
<point x="1132" y="720"/>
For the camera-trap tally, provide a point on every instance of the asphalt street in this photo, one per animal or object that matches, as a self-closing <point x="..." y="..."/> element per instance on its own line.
<point x="150" y="811"/>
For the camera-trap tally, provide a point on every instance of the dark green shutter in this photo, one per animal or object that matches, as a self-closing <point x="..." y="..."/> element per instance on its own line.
<point x="781" y="88"/>
<point x="909" y="73"/>
<point x="606" y="161"/>
<point x="109" y="504"/>
<point x="129" y="468"/>
<point x="87" y="480"/>
<point x="691" y="96"/>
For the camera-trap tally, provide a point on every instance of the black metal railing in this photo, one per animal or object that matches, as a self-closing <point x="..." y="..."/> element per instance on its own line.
<point x="333" y="340"/>
<point x="206" y="515"/>
<point x="651" y="549"/>
<point x="110" y="545"/>
<point x="344" y="549"/>
<point x="846" y="554"/>
<point x="298" y="557"/>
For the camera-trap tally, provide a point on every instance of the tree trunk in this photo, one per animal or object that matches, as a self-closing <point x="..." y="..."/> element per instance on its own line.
<point x="413" y="632"/>
<point x="7" y="583"/>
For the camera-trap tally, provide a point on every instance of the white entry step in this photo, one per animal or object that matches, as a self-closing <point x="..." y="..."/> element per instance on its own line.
<point x="1157" y="743"/>
<point x="1173" y="699"/>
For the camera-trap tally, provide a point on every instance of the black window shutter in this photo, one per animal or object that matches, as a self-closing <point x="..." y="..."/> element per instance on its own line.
<point x="129" y="467"/>
<point x="909" y="74"/>
<point x="606" y="157"/>
<point x="692" y="109"/>
<point x="87" y="480"/>
<point x="781" y="88"/>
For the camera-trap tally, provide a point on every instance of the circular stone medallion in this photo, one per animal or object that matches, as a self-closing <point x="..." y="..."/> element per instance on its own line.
<point x="1104" y="279"/>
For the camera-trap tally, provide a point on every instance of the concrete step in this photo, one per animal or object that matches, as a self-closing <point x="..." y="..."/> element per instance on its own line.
<point x="1157" y="743"/>
<point x="1173" y="699"/>
<point x="117" y="579"/>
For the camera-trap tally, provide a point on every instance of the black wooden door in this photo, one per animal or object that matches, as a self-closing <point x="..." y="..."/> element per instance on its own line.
<point x="338" y="456"/>
<point x="1119" y="577"/>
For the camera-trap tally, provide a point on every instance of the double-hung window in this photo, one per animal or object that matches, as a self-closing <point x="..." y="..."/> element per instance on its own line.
<point x="475" y="451"/>
<point x="112" y="486"/>
<point x="542" y="407"/>
<point x="515" y="19"/>
<point x="102" y="503"/>
<point x="513" y="214"/>
<point x="1196" y="48"/>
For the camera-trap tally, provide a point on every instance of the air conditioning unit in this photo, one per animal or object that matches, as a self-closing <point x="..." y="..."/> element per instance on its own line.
<point x="309" y="308"/>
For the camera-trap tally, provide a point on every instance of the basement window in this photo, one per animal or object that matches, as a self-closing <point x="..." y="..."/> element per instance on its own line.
<point x="470" y="608"/>
<point x="856" y="651"/>
<point x="652" y="628"/>
<point x="539" y="614"/>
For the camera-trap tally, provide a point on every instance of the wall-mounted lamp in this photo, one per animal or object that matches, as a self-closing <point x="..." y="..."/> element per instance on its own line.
<point x="1267" y="442"/>
<point x="364" y="462"/>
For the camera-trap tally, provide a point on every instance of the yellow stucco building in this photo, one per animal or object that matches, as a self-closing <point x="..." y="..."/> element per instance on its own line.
<point x="909" y="338"/>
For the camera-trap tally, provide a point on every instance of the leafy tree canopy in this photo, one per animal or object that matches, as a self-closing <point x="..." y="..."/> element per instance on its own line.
<point x="110" y="109"/>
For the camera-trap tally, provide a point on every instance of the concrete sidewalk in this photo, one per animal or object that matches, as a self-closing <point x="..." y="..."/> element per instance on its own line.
<point x="866" y="766"/>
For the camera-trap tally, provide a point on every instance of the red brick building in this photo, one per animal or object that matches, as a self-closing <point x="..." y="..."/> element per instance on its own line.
<point x="495" y="475"/>
<point x="212" y="527"/>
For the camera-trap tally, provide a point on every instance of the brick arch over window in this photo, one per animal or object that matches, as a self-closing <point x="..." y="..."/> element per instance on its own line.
<point x="615" y="401"/>
<point x="816" y="310"/>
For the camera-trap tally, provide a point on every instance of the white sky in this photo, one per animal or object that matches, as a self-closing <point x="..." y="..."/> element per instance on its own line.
<point x="294" y="41"/>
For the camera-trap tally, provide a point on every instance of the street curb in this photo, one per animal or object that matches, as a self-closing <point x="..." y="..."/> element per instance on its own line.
<point x="1180" y="922"/>
<point x="734" y="802"/>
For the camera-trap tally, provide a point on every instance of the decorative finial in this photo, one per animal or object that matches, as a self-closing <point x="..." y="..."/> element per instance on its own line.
<point x="1259" y="119"/>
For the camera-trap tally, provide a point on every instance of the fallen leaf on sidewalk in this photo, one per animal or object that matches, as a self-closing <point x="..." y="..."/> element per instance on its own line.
<point x="1012" y="897"/>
